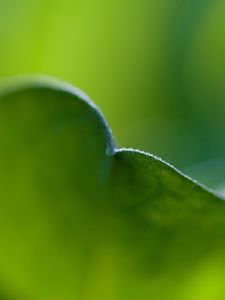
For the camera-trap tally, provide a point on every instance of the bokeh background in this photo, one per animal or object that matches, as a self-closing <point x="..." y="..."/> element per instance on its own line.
<point x="156" y="68"/>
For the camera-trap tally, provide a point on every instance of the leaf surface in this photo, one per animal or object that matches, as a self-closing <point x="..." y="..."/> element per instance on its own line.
<point x="80" y="219"/>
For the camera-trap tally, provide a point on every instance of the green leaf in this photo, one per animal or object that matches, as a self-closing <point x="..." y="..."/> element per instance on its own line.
<point x="170" y="228"/>
<point x="53" y="145"/>
<point x="82" y="220"/>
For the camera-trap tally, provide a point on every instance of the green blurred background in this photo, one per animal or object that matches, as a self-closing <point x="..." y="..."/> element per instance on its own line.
<point x="156" y="68"/>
